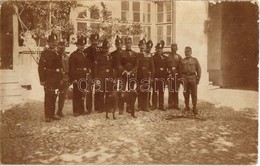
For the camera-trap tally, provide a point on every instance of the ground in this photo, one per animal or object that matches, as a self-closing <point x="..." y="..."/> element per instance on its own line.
<point x="221" y="136"/>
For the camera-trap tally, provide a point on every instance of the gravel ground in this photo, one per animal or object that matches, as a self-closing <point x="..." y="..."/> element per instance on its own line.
<point x="219" y="136"/>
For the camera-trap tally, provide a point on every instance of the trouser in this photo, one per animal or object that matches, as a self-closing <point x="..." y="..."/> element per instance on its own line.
<point x="78" y="99"/>
<point x="173" y="87"/>
<point x="89" y="98"/>
<point x="144" y="94"/>
<point x="158" y="92"/>
<point x="50" y="97"/>
<point x="190" y="88"/>
<point x="62" y="95"/>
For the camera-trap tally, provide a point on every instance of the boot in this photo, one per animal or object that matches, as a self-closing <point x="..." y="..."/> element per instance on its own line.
<point x="186" y="109"/>
<point x="194" y="110"/>
<point x="60" y="114"/>
<point x="55" y="117"/>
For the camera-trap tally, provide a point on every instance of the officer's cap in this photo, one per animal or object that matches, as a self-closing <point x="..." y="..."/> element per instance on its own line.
<point x="52" y="37"/>
<point x="149" y="44"/>
<point x="174" y="44"/>
<point x="188" y="48"/>
<point x="141" y="42"/>
<point x="118" y="40"/>
<point x="105" y="44"/>
<point x="81" y="40"/>
<point x="128" y="40"/>
<point x="94" y="37"/>
<point x="160" y="45"/>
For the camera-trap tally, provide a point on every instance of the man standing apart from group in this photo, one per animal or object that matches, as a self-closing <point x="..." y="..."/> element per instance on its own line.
<point x="190" y="71"/>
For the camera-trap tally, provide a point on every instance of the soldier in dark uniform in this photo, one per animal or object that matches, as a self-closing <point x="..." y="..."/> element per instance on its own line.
<point x="142" y="47"/>
<point x="92" y="51"/>
<point x="50" y="77"/>
<point x="161" y="69"/>
<point x="105" y="74"/>
<point x="174" y="60"/>
<point x="128" y="65"/>
<point x="65" y="78"/>
<point x="145" y="75"/>
<point x="190" y="71"/>
<point x="115" y="56"/>
<point x="80" y="75"/>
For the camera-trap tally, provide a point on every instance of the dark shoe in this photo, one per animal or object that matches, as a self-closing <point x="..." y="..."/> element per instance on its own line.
<point x="170" y="107"/>
<point x="120" y="112"/>
<point x="60" y="114"/>
<point x="145" y="110"/>
<point x="177" y="108"/>
<point x="162" y="109"/>
<point x="186" y="109"/>
<point x="153" y="108"/>
<point x="76" y="114"/>
<point x="48" y="120"/>
<point x="84" y="113"/>
<point x="195" y="111"/>
<point x="55" y="118"/>
<point x="133" y="115"/>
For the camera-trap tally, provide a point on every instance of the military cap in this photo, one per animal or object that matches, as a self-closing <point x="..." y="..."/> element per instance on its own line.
<point x="149" y="44"/>
<point x="52" y="37"/>
<point x="160" y="45"/>
<point x="118" y="40"/>
<point x="105" y="44"/>
<point x="141" y="42"/>
<point x="81" y="40"/>
<point x="94" y="37"/>
<point x="61" y="44"/>
<point x="174" y="44"/>
<point x="128" y="40"/>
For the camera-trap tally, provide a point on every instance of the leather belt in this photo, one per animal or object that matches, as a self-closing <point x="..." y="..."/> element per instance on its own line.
<point x="54" y="70"/>
<point x="82" y="69"/>
<point x="189" y="74"/>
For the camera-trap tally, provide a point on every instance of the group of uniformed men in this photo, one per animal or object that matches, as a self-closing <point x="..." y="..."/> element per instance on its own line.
<point x="109" y="80"/>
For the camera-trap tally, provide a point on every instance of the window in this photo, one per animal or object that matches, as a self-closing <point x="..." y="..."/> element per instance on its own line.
<point x="81" y="26"/>
<point x="164" y="22"/>
<point x="159" y="33"/>
<point x="125" y="11"/>
<point x="136" y="11"/>
<point x="136" y="40"/>
<point x="147" y="30"/>
<point x="82" y="14"/>
<point x="148" y="12"/>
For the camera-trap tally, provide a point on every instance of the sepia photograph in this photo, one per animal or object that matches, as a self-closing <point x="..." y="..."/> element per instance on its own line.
<point x="129" y="82"/>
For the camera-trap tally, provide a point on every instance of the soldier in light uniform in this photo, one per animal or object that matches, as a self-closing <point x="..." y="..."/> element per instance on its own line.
<point x="92" y="51"/>
<point x="128" y="65"/>
<point x="50" y="77"/>
<point x="190" y="71"/>
<point x="80" y="75"/>
<point x="160" y="78"/>
<point x="145" y="75"/>
<point x="174" y="60"/>
<point x="65" y="78"/>
<point x="105" y="74"/>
